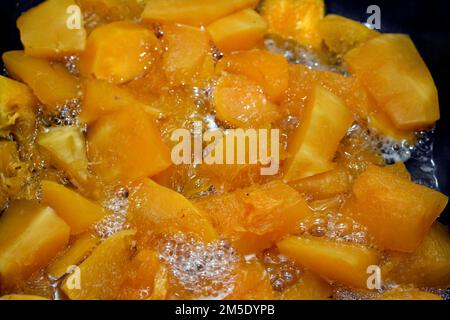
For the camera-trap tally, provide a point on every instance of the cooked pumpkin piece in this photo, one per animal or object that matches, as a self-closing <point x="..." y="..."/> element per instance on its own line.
<point x="341" y="34"/>
<point x="21" y="297"/>
<point x="254" y="218"/>
<point x="188" y="58"/>
<point x="67" y="149"/>
<point x="343" y="262"/>
<point x="395" y="75"/>
<point x="428" y="265"/>
<point x="295" y="19"/>
<point x="79" y="212"/>
<point x="100" y="276"/>
<point x="16" y="100"/>
<point x="241" y="102"/>
<point x="119" y="52"/>
<point x="75" y="254"/>
<point x="52" y="84"/>
<point x="30" y="236"/>
<point x="51" y="30"/>
<point x="192" y="12"/>
<point x="239" y="31"/>
<point x="126" y="145"/>
<point x="397" y="212"/>
<point x="312" y="147"/>
<point x="269" y="70"/>
<point x="155" y="210"/>
<point x="101" y="97"/>
<point x="251" y="283"/>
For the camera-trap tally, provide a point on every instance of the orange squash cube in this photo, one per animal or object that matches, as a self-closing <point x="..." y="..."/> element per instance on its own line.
<point x="30" y="236"/>
<point x="324" y="123"/>
<point x="428" y="266"/>
<point x="100" y="276"/>
<point x="46" y="32"/>
<point x="126" y="145"/>
<point x="302" y="80"/>
<point x="269" y="70"/>
<point x="382" y="124"/>
<point x="16" y="101"/>
<point x="119" y="52"/>
<point x="344" y="262"/>
<point x="78" y="212"/>
<point x="252" y="282"/>
<point x="141" y="275"/>
<point x="398" y="213"/>
<point x="240" y="102"/>
<point x="308" y="287"/>
<point x="407" y="294"/>
<point x="324" y="185"/>
<point x="340" y="34"/>
<point x="242" y="30"/>
<point x="295" y="19"/>
<point x="397" y="78"/>
<point x="101" y="97"/>
<point x="155" y="210"/>
<point x="254" y="218"/>
<point x="52" y="84"/>
<point x="77" y="252"/>
<point x="188" y="59"/>
<point x="192" y="12"/>
<point x="67" y="148"/>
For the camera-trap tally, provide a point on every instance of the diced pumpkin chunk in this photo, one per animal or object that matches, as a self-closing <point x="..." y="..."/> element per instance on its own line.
<point x="428" y="266"/>
<point x="383" y="125"/>
<point x="21" y="297"/>
<point x="188" y="58"/>
<point x="252" y="282"/>
<point x="141" y="275"/>
<point x="192" y="12"/>
<point x="325" y="122"/>
<point x="324" y="185"/>
<point x="67" y="148"/>
<point x="295" y="19"/>
<point x="50" y="82"/>
<point x="78" y="212"/>
<point x="126" y="145"/>
<point x="240" y="102"/>
<point x="342" y="34"/>
<point x="100" y="276"/>
<point x="30" y="236"/>
<point x="16" y="100"/>
<point x="242" y="30"/>
<point x="407" y="294"/>
<point x="101" y="97"/>
<point x="255" y="218"/>
<point x="302" y="80"/>
<point x="269" y="70"/>
<point x="308" y="287"/>
<point x="397" y="212"/>
<point x="119" y="52"/>
<point x="397" y="78"/>
<point x="398" y="169"/>
<point x="77" y="251"/>
<point x="45" y="32"/>
<point x="155" y="210"/>
<point x="344" y="262"/>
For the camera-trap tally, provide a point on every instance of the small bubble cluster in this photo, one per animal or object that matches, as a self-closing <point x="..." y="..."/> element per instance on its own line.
<point x="70" y="62"/>
<point x="117" y="204"/>
<point x="65" y="115"/>
<point x="282" y="271"/>
<point x="204" y="269"/>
